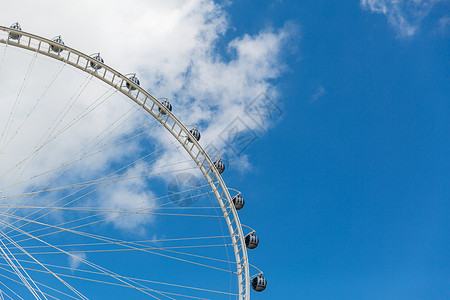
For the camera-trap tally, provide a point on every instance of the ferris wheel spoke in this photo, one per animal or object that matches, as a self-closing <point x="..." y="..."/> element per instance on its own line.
<point x="8" y="288"/>
<point x="17" y="268"/>
<point x="50" y="138"/>
<point x="128" y="250"/>
<point x="75" y="120"/>
<point x="119" y="210"/>
<point x="39" y="283"/>
<point x="69" y="105"/>
<point x="109" y="219"/>
<point x="80" y="158"/>
<point x="74" y="257"/>
<point x="62" y="114"/>
<point x="142" y="243"/>
<point x="97" y="182"/>
<point x="16" y="245"/>
<point x="4" y="135"/>
<point x="90" y="272"/>
<point x="95" y="215"/>
<point x="45" y="141"/>
<point x="3" y="57"/>
<point x="99" y="221"/>
<point x="103" y="180"/>
<point x="102" y="184"/>
<point x="99" y="214"/>
<point x="107" y="132"/>
<point x="38" y="100"/>
<point x="117" y="242"/>
<point x="135" y="244"/>
<point x="112" y="210"/>
<point x="16" y="272"/>
<point x="84" y="156"/>
<point x="144" y="288"/>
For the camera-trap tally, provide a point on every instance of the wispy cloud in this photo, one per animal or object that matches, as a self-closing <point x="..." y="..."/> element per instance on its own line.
<point x="404" y="15"/>
<point x="75" y="260"/>
<point x="443" y="25"/>
<point x="320" y="92"/>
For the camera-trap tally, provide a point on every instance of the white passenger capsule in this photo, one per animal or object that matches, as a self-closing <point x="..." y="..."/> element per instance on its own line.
<point x="259" y="283"/>
<point x="55" y="48"/>
<point x="167" y="106"/>
<point x="238" y="201"/>
<point x="12" y="35"/>
<point x="95" y="65"/>
<point x="220" y="166"/>
<point x="195" y="133"/>
<point x="251" y="240"/>
<point x="133" y="79"/>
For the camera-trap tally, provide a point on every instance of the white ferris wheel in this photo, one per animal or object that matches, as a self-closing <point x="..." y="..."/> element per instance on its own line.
<point x="104" y="193"/>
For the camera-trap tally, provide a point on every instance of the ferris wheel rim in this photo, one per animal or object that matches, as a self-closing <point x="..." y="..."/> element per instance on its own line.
<point x="169" y="121"/>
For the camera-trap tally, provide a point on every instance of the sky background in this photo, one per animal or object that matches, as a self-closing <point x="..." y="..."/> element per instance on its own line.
<point x="354" y="185"/>
<point x="351" y="186"/>
<point x="348" y="187"/>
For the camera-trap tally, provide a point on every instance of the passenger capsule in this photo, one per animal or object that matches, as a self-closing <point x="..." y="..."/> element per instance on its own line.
<point x="259" y="283"/>
<point x="167" y="106"/>
<point x="15" y="36"/>
<point x="238" y="201"/>
<point x="195" y="133"/>
<point x="133" y="79"/>
<point x="94" y="65"/>
<point x="220" y="166"/>
<point x="55" y="48"/>
<point x="251" y="240"/>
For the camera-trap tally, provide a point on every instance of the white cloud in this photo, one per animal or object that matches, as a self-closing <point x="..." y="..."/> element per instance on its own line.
<point x="76" y="259"/>
<point x="129" y="196"/>
<point x="172" y="46"/>
<point x="404" y="15"/>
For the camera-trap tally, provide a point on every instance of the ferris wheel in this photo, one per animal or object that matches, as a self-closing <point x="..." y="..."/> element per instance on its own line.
<point x="104" y="192"/>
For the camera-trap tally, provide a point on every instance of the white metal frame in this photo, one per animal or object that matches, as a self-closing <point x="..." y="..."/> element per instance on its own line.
<point x="118" y="81"/>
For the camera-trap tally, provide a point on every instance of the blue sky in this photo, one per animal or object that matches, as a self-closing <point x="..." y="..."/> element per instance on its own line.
<point x="346" y="182"/>
<point x="350" y="188"/>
